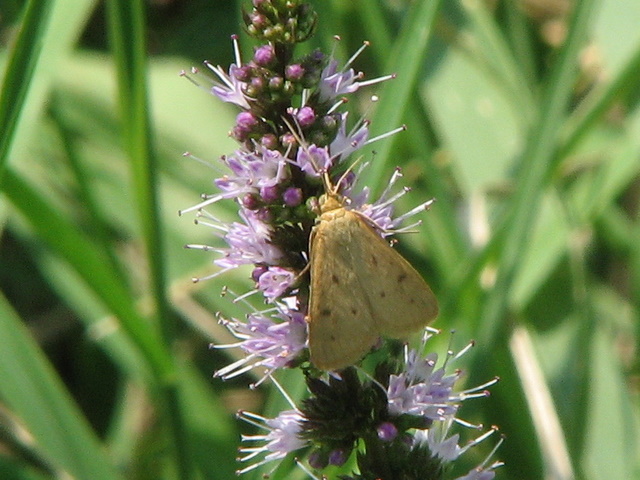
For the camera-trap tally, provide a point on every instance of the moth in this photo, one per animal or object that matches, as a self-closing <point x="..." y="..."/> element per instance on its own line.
<point x="361" y="288"/>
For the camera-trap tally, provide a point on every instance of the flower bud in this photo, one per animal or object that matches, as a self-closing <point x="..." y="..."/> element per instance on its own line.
<point x="264" y="55"/>
<point x="387" y="431"/>
<point x="306" y="116"/>
<point x="294" y="71"/>
<point x="292" y="197"/>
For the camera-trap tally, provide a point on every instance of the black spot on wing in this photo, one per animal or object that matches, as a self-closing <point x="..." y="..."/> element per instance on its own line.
<point x="325" y="312"/>
<point x="335" y="279"/>
<point x="402" y="277"/>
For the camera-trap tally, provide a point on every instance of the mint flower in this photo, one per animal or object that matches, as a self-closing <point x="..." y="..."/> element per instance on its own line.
<point x="313" y="160"/>
<point x="335" y="83"/>
<point x="270" y="341"/>
<point x="275" y="281"/>
<point x="282" y="438"/>
<point x="351" y="408"/>
<point x="231" y="89"/>
<point x="295" y="140"/>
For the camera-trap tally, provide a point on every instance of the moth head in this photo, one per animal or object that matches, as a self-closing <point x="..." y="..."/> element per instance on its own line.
<point x="330" y="201"/>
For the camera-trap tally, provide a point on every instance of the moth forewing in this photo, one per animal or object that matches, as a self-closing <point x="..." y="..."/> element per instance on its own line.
<point x="337" y="335"/>
<point x="361" y="288"/>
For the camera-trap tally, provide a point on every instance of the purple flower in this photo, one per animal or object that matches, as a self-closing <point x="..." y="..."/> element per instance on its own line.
<point x="380" y="212"/>
<point x="231" y="89"/>
<point x="440" y="446"/>
<point x="476" y="474"/>
<point x="251" y="171"/>
<point x="282" y="438"/>
<point x="246" y="120"/>
<point x="335" y="83"/>
<point x="269" y="193"/>
<point x="425" y="391"/>
<point x="447" y="449"/>
<point x="275" y="281"/>
<point x="346" y="143"/>
<point x="271" y="342"/>
<point x="249" y="243"/>
<point x="432" y="398"/>
<point x="313" y="160"/>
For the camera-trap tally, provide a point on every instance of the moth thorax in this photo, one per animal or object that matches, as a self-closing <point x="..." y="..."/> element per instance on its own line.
<point x="330" y="202"/>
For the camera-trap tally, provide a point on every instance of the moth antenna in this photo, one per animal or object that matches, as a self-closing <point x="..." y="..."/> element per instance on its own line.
<point x="295" y="131"/>
<point x="347" y="171"/>
<point x="332" y="190"/>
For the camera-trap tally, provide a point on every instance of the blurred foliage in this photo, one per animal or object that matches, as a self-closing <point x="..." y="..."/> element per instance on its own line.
<point x="523" y="121"/>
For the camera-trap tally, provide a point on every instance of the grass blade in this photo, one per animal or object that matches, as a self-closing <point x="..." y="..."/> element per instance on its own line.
<point x="535" y="165"/>
<point x="127" y="35"/>
<point x="33" y="391"/>
<point x="19" y="73"/>
<point x="395" y="96"/>
<point x="90" y="263"/>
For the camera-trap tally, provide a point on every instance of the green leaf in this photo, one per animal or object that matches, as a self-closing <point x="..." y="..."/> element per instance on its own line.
<point x="396" y="95"/>
<point x="611" y="444"/>
<point x="19" y="72"/>
<point x="32" y="389"/>
<point x="90" y="263"/>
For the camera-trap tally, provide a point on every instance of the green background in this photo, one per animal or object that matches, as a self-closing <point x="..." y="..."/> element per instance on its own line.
<point x="523" y="122"/>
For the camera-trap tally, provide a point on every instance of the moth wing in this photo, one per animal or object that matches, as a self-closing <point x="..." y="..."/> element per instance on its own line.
<point x="400" y="299"/>
<point x="341" y="324"/>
